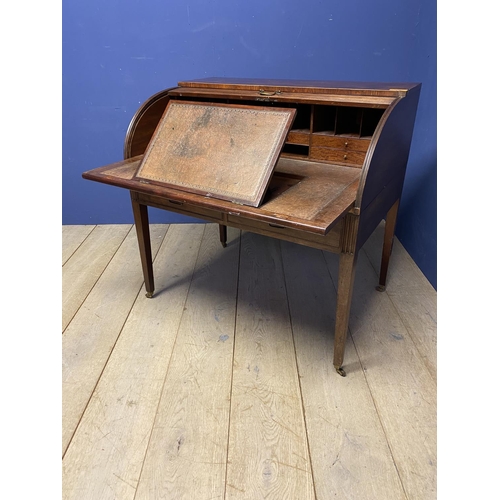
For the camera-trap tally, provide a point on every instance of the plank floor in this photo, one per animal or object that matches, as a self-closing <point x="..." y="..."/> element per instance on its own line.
<point x="222" y="386"/>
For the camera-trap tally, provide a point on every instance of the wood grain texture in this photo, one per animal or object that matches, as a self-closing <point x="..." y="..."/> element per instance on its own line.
<point x="403" y="274"/>
<point x="403" y="390"/>
<point x="187" y="453"/>
<point x="309" y="86"/>
<point x="268" y="455"/>
<point x="390" y="227"/>
<point x="283" y="97"/>
<point x="181" y="207"/>
<point x="337" y="156"/>
<point x="412" y="295"/>
<point x="92" y="333"/>
<point x="345" y="143"/>
<point x="374" y="214"/>
<point x="106" y="455"/>
<point x="83" y="269"/>
<point x="331" y="240"/>
<point x="387" y="155"/>
<point x="349" y="453"/>
<point x="143" y="124"/>
<point x="72" y="237"/>
<point x="323" y="195"/>
<point x="141" y="223"/>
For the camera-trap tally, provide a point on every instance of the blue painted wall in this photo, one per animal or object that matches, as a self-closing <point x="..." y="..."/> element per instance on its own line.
<point x="118" y="53"/>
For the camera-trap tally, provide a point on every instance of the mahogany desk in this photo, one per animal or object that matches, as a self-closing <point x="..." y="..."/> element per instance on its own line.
<point x="339" y="173"/>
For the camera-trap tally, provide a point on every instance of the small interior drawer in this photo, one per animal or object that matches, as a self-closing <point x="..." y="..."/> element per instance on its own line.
<point x="337" y="155"/>
<point x="344" y="143"/>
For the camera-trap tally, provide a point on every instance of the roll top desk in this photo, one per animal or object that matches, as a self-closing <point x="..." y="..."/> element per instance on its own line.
<point x="337" y="172"/>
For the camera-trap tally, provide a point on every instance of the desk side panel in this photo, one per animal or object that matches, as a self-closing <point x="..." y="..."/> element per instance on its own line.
<point x="383" y="173"/>
<point x="387" y="156"/>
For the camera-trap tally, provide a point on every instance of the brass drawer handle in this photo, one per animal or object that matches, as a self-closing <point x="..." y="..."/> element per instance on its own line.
<point x="174" y="202"/>
<point x="266" y="92"/>
<point x="276" y="226"/>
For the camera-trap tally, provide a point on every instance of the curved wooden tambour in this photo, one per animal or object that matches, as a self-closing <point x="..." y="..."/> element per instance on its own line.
<point x="143" y="124"/>
<point x="389" y="147"/>
<point x="384" y="168"/>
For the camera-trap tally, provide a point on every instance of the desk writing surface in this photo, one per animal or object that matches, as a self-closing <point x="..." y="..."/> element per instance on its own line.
<point x="314" y="197"/>
<point x="217" y="150"/>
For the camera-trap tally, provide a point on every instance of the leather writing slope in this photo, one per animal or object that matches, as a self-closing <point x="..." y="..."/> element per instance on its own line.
<point x="221" y="151"/>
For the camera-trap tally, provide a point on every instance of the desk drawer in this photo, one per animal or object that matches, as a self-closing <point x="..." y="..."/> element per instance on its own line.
<point x="337" y="155"/>
<point x="329" y="242"/>
<point x="193" y="210"/>
<point x="180" y="207"/>
<point x="344" y="143"/>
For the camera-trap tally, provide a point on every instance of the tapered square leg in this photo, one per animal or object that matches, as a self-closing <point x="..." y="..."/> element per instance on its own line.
<point x="390" y="227"/>
<point x="223" y="235"/>
<point x="141" y="220"/>
<point x="345" y="287"/>
<point x="347" y="267"/>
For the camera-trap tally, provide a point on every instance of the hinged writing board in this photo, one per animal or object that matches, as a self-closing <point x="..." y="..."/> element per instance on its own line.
<point x="218" y="150"/>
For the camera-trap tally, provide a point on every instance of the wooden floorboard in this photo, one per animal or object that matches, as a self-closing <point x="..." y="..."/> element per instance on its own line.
<point x="106" y="455"/>
<point x="90" y="337"/>
<point x="72" y="238"/>
<point x="412" y="295"/>
<point x="349" y="452"/>
<point x="268" y="455"/>
<point x="82" y="270"/>
<point x="187" y="453"/>
<point x="222" y="386"/>
<point x="403" y="390"/>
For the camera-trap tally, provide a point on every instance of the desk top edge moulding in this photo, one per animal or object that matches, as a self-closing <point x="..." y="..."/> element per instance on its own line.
<point x="318" y="163"/>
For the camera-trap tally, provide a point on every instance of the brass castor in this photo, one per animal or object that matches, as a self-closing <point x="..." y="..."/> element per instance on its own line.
<point x="149" y="295"/>
<point x="224" y="244"/>
<point x="380" y="288"/>
<point x="340" y="371"/>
